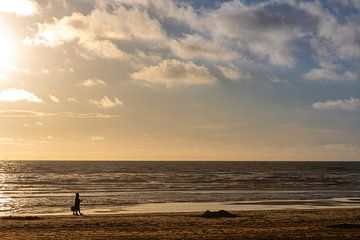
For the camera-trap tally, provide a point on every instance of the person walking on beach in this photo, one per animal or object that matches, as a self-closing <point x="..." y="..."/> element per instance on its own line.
<point x="77" y="205"/>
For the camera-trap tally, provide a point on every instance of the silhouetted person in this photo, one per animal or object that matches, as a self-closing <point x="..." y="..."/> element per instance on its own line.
<point x="77" y="205"/>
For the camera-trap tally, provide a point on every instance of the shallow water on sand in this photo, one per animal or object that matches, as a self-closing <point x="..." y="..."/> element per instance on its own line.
<point x="38" y="187"/>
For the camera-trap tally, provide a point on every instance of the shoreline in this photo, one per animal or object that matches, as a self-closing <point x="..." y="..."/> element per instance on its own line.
<point x="193" y="207"/>
<point x="270" y="224"/>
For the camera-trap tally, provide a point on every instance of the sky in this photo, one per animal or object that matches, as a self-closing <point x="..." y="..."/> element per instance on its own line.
<point x="179" y="80"/>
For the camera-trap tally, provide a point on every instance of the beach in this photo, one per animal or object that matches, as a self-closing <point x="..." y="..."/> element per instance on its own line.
<point x="274" y="224"/>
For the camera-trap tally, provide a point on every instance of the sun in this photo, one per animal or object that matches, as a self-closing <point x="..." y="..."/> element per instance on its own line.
<point x="20" y="7"/>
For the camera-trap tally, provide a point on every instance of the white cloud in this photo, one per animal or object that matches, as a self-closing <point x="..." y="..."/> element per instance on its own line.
<point x="351" y="76"/>
<point x="334" y="39"/>
<point x="16" y="95"/>
<point x="101" y="49"/>
<point x="328" y="65"/>
<point x="338" y="147"/>
<point x="320" y="74"/>
<point x="231" y="73"/>
<point x="70" y="99"/>
<point x="174" y="72"/>
<point x="277" y="80"/>
<point x="54" y="98"/>
<point x="352" y="104"/>
<point x="16" y="113"/>
<point x="231" y="30"/>
<point x="39" y="124"/>
<point x="94" y="32"/>
<point x="7" y="141"/>
<point x="232" y="33"/>
<point x="19" y="7"/>
<point x="175" y="11"/>
<point x="22" y="141"/>
<point x="106" y="102"/>
<point x="197" y="47"/>
<point x="45" y="71"/>
<point x="21" y="70"/>
<point x="92" y="82"/>
<point x="97" y="138"/>
<point x="66" y="69"/>
<point x="55" y="34"/>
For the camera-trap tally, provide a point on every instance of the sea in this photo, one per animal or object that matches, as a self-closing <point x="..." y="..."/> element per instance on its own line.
<point x="120" y="187"/>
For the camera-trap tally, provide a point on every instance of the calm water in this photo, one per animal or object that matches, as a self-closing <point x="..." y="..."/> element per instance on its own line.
<point x="109" y="187"/>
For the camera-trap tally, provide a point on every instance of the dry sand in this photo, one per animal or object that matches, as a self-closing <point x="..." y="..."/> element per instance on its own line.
<point x="286" y="224"/>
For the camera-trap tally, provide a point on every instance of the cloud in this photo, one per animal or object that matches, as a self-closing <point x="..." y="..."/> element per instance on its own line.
<point x="70" y="99"/>
<point x="16" y="95"/>
<point x="54" y="98"/>
<point x="277" y="80"/>
<point x="92" y="82"/>
<point x="56" y="33"/>
<point x="18" y="141"/>
<point x="320" y="74"/>
<point x="97" y="138"/>
<point x="7" y="141"/>
<point x="16" y="113"/>
<point x="94" y="33"/>
<point x="23" y="142"/>
<point x="101" y="49"/>
<point x="39" y="124"/>
<point x="124" y="23"/>
<point x="267" y="29"/>
<point x="45" y="71"/>
<point x="173" y="72"/>
<point x="242" y="34"/>
<point x="21" y="70"/>
<point x="180" y="12"/>
<point x="338" y="147"/>
<point x="197" y="47"/>
<point x="106" y="102"/>
<point x="19" y="7"/>
<point x="351" y="76"/>
<point x="274" y="30"/>
<point x="352" y="104"/>
<point x="335" y="38"/>
<point x="66" y="69"/>
<point x="231" y="73"/>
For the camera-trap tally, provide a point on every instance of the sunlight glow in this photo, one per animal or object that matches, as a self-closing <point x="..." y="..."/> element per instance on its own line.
<point x="19" y="7"/>
<point x="15" y="95"/>
<point x="7" y="51"/>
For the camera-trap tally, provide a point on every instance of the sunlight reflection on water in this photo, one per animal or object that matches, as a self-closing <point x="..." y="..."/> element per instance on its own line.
<point x="5" y="200"/>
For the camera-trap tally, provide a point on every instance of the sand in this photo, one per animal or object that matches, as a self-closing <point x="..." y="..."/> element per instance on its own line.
<point x="285" y="224"/>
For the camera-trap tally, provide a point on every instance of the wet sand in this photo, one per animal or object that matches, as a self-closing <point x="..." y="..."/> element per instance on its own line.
<point x="284" y="224"/>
